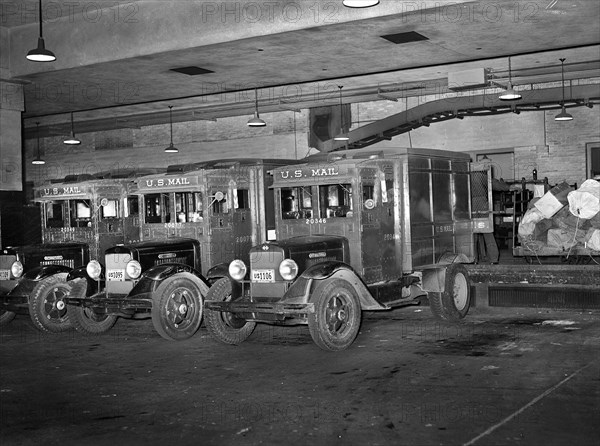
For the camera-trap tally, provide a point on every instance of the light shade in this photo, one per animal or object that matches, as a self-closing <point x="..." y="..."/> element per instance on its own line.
<point x="341" y="137"/>
<point x="563" y="115"/>
<point x="72" y="140"/>
<point x="171" y="149"/>
<point x="360" y="3"/>
<point x="38" y="161"/>
<point x="256" y="121"/>
<point x="509" y="95"/>
<point x="41" y="54"/>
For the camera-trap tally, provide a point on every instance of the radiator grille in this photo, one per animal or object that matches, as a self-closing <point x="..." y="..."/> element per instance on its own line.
<point x="182" y="260"/>
<point x="65" y="262"/>
<point x="7" y="261"/>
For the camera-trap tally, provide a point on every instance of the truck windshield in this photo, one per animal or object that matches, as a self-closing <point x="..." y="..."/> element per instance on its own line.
<point x="54" y="215"/>
<point x="188" y="206"/>
<point x="335" y="200"/>
<point x="81" y="213"/>
<point x="157" y="208"/>
<point x="296" y="202"/>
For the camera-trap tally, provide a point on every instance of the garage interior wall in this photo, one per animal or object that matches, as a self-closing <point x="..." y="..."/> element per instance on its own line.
<point x="556" y="149"/>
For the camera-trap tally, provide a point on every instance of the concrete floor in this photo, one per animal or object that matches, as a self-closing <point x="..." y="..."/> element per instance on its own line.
<point x="503" y="377"/>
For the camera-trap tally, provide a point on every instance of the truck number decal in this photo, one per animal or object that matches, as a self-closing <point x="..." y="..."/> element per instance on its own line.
<point x="243" y="239"/>
<point x="173" y="225"/>
<point x="314" y="221"/>
<point x="4" y="274"/>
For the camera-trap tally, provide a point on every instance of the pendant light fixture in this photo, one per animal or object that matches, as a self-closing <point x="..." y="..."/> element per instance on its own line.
<point x="563" y="115"/>
<point x="256" y="121"/>
<point x="359" y="3"/>
<point x="341" y="136"/>
<point x="171" y="148"/>
<point x="38" y="160"/>
<point x="72" y="140"/>
<point x="510" y="94"/>
<point x="41" y="54"/>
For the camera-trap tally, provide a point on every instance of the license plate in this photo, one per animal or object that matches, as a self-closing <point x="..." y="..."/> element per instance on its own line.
<point x="4" y="274"/>
<point x="263" y="275"/>
<point x="115" y="275"/>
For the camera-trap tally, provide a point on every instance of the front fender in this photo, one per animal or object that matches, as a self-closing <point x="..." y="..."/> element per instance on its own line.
<point x="41" y="272"/>
<point x="217" y="272"/>
<point x="153" y="277"/>
<point x="82" y="285"/>
<point x="312" y="277"/>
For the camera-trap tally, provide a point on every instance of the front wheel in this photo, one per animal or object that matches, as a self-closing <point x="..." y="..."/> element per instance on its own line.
<point x="336" y="320"/>
<point x="47" y="308"/>
<point x="6" y="316"/>
<point x="177" y="308"/>
<point x="454" y="302"/>
<point x="224" y="326"/>
<point x="87" y="321"/>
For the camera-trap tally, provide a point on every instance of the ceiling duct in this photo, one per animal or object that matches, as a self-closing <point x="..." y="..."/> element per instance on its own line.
<point x="468" y="79"/>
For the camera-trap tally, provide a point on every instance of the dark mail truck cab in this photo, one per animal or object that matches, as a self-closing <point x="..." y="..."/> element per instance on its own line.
<point x="81" y="216"/>
<point x="194" y="220"/>
<point x="357" y="230"/>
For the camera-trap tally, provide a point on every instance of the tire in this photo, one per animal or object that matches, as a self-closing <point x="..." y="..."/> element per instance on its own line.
<point x="47" y="310"/>
<point x="88" y="322"/>
<point x="6" y="316"/>
<point x="454" y="302"/>
<point x="335" y="323"/>
<point x="226" y="327"/>
<point x="177" y="308"/>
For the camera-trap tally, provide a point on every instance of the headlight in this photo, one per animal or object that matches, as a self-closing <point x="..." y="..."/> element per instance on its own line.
<point x="237" y="270"/>
<point x="133" y="269"/>
<point x="288" y="269"/>
<point x="16" y="269"/>
<point x="94" y="269"/>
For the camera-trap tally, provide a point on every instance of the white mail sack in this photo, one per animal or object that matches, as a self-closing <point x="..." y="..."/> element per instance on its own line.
<point x="585" y="201"/>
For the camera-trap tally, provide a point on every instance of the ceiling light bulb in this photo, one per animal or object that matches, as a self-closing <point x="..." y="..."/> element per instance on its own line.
<point x="359" y="3"/>
<point x="509" y="95"/>
<point x="72" y="140"/>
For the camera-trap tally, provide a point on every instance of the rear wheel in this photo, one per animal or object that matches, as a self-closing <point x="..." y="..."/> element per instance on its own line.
<point x="47" y="308"/>
<point x="177" y="308"/>
<point x="6" y="316"/>
<point x="87" y="321"/>
<point x="454" y="302"/>
<point x="224" y="326"/>
<point x="336" y="320"/>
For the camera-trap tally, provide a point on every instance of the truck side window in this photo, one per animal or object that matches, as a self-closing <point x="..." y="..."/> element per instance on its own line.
<point x="420" y="210"/>
<point x="54" y="215"/>
<point x="220" y="207"/>
<point x="335" y="200"/>
<point x="243" y="199"/>
<point x="81" y="213"/>
<point x="132" y="206"/>
<point x="296" y="202"/>
<point x="111" y="210"/>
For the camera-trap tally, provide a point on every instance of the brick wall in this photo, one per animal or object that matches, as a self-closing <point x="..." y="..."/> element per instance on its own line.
<point x="556" y="149"/>
<point x="196" y="141"/>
